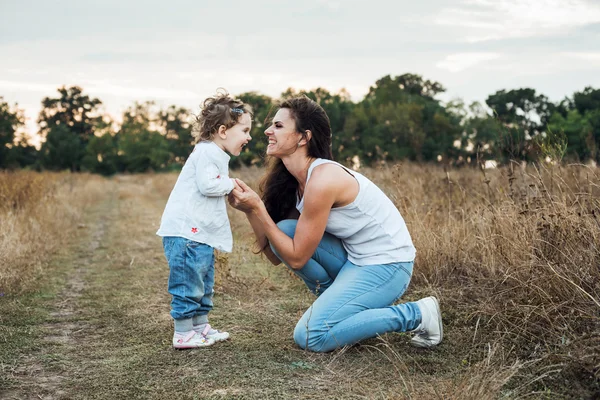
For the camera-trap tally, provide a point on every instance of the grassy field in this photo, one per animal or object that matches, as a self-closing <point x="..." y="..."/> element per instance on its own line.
<point x="513" y="254"/>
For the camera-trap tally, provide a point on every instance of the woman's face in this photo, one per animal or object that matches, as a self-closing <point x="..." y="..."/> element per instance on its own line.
<point x="282" y="135"/>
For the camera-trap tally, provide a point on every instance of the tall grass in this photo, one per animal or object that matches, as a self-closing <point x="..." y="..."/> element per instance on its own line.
<point x="38" y="212"/>
<point x="514" y="253"/>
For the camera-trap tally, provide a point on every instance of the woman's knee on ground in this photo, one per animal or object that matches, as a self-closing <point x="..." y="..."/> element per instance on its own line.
<point x="309" y="338"/>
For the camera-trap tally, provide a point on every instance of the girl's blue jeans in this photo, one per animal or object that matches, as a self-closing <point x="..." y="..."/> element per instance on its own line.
<point x="354" y="302"/>
<point x="191" y="280"/>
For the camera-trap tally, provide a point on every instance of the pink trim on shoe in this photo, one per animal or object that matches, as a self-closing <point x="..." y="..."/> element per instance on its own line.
<point x="186" y="338"/>
<point x="213" y="334"/>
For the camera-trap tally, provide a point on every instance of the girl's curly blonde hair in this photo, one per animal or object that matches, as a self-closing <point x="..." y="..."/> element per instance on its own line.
<point x="221" y="109"/>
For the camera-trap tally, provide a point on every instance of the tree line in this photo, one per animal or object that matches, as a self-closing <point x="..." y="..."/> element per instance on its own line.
<point x="400" y="118"/>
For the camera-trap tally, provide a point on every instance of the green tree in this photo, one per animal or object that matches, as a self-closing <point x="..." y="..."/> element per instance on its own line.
<point x="482" y="135"/>
<point x="400" y="131"/>
<point x="101" y="155"/>
<point x="579" y="134"/>
<point x="357" y="125"/>
<point x="62" y="149"/>
<point x="11" y="120"/>
<point x="524" y="114"/>
<point x="403" y="89"/>
<point x="77" y="114"/>
<point x="101" y="152"/>
<point x="175" y="124"/>
<point x="587" y="100"/>
<point x="25" y="155"/>
<point x="593" y="118"/>
<point x="522" y="108"/>
<point x="421" y="129"/>
<point x="141" y="148"/>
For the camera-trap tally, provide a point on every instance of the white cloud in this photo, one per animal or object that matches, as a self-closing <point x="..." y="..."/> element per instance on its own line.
<point x="27" y="86"/>
<point x="331" y="4"/>
<point x="461" y="61"/>
<point x="594" y="58"/>
<point x="483" y="20"/>
<point x="106" y="87"/>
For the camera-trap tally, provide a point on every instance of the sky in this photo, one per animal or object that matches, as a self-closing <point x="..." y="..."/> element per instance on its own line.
<point x="180" y="52"/>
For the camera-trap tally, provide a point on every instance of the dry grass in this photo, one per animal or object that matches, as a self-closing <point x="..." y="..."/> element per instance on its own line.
<point x="38" y="213"/>
<point x="513" y="255"/>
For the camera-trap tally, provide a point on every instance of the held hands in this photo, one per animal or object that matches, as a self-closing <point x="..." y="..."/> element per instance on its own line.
<point x="243" y="198"/>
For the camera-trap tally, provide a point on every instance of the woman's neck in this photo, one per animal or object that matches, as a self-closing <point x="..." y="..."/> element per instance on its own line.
<point x="298" y="167"/>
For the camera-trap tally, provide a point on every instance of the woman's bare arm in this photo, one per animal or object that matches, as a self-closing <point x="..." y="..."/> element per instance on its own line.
<point x="244" y="199"/>
<point x="261" y="239"/>
<point x="319" y="197"/>
<point x="325" y="189"/>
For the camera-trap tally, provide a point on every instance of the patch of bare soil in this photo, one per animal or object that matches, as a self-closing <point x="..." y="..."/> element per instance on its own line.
<point x="40" y="374"/>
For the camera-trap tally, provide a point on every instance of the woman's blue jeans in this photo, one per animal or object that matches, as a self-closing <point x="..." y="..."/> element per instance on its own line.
<point x="354" y="302"/>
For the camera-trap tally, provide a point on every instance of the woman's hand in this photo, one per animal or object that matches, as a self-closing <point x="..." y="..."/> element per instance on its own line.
<point x="243" y="198"/>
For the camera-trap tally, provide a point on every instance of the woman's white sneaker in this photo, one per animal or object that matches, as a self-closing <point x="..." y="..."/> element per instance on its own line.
<point x="191" y="340"/>
<point x="431" y="331"/>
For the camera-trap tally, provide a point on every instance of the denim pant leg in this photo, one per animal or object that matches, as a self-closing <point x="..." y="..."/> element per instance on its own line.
<point x="357" y="306"/>
<point x="208" y="279"/>
<point x="324" y="265"/>
<point x="189" y="262"/>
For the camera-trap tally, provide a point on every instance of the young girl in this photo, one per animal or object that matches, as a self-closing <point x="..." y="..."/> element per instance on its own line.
<point x="195" y="220"/>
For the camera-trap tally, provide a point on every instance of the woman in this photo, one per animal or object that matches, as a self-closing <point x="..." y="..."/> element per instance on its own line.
<point x="337" y="231"/>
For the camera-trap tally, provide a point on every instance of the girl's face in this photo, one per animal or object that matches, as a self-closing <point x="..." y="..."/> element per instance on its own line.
<point x="238" y="135"/>
<point x="282" y="135"/>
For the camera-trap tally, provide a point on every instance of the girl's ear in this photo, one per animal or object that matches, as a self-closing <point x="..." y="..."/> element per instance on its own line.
<point x="222" y="132"/>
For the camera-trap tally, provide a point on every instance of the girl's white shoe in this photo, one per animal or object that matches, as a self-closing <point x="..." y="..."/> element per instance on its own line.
<point x="191" y="340"/>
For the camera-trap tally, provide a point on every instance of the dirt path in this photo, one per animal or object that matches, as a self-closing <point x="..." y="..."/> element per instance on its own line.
<point x="58" y="331"/>
<point x="105" y="333"/>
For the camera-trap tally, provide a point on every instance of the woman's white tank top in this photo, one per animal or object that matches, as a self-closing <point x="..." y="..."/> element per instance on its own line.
<point x="371" y="228"/>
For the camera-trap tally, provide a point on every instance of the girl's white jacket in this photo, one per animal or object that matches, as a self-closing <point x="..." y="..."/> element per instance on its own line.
<point x="197" y="208"/>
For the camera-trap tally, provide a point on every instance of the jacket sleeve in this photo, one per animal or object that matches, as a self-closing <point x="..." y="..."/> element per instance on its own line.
<point x="210" y="181"/>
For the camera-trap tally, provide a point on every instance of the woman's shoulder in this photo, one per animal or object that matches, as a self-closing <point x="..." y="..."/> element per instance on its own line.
<point x="328" y="169"/>
<point x="334" y="182"/>
<point x="330" y="174"/>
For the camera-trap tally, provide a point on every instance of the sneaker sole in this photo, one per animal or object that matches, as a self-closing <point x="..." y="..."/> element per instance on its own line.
<point x="191" y="347"/>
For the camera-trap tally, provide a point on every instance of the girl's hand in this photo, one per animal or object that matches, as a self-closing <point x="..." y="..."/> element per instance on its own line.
<point x="243" y="198"/>
<point x="236" y="185"/>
